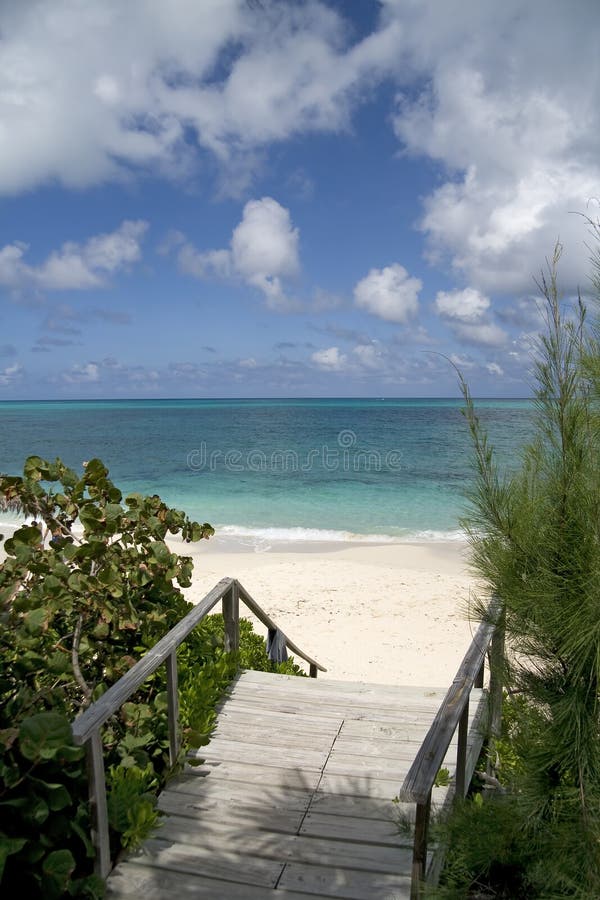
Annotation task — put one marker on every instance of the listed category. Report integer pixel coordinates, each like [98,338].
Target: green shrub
[76,612]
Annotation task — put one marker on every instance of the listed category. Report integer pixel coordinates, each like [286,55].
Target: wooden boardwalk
[294,797]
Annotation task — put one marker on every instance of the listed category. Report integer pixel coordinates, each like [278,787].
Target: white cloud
[389,293]
[85,373]
[465,306]
[494,369]
[370,356]
[74,266]
[513,115]
[330,359]
[263,252]
[461,362]
[466,311]
[264,248]
[249,363]
[11,374]
[83,102]
[486,333]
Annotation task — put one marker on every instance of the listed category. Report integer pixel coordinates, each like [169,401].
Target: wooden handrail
[86,727]
[452,714]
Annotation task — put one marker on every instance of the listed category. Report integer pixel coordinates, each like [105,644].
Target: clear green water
[278,468]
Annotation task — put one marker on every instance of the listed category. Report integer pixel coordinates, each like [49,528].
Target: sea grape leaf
[34,465]
[37,620]
[8,846]
[42,735]
[56,872]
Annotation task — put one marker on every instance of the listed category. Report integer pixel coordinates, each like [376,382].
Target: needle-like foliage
[535,541]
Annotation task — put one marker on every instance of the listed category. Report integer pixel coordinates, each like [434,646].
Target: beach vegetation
[87,586]
[534,535]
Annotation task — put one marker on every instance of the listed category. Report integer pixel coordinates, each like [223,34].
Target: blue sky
[230,198]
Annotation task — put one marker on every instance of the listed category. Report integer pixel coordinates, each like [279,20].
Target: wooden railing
[86,728]
[453,714]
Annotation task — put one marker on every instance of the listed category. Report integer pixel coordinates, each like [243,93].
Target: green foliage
[535,540]
[470,869]
[131,802]
[442,779]
[78,606]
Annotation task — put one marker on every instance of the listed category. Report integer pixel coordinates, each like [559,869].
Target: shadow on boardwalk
[293,798]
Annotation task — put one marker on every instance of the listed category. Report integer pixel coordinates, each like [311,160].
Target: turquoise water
[278,468]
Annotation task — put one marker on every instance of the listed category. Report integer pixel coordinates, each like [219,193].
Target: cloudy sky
[216,198]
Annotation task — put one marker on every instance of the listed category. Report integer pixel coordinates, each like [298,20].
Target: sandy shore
[391,613]
[388,613]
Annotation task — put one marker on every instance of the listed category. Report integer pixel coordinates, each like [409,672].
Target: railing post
[496,667]
[460,787]
[419,865]
[231,617]
[173,707]
[496,679]
[479,678]
[313,670]
[97,795]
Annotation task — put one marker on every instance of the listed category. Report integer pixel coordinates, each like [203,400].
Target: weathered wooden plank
[342,686]
[405,723]
[344,883]
[352,828]
[372,699]
[135,881]
[299,782]
[239,714]
[270,776]
[252,693]
[339,711]
[213,861]
[276,735]
[340,764]
[364,786]
[194,842]
[224,819]
[385,749]
[348,805]
[211,793]
[268,754]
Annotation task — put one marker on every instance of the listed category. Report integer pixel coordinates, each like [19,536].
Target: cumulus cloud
[512,115]
[82,373]
[263,252]
[465,306]
[487,333]
[74,266]
[494,369]
[95,92]
[330,359]
[466,311]
[11,374]
[461,362]
[389,293]
[370,356]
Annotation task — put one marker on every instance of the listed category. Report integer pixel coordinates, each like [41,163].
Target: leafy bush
[77,609]
[535,539]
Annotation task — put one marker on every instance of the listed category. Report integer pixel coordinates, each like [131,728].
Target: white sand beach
[389,613]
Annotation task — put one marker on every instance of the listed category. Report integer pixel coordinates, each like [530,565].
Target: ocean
[268,470]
